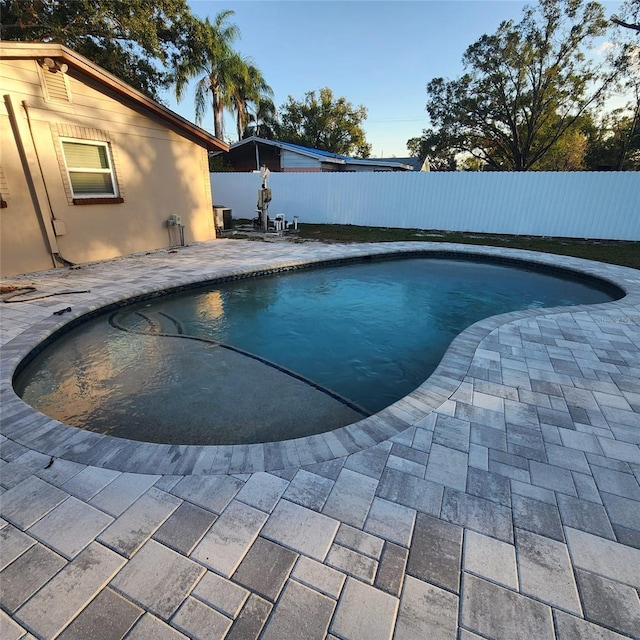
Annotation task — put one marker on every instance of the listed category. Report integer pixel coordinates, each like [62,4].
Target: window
[90,169]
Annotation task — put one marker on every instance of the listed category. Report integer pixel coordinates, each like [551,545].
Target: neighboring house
[415,163]
[253,152]
[90,167]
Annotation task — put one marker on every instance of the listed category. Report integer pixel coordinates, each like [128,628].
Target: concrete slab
[391,569]
[545,571]
[109,615]
[136,525]
[490,558]
[251,620]
[501,614]
[426,611]
[32,570]
[221,594]
[301,529]
[70,527]
[364,613]
[200,621]
[232,534]
[319,577]
[302,613]
[158,579]
[69,591]
[265,568]
[27,502]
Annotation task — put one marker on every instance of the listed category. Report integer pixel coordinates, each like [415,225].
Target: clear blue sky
[376,53]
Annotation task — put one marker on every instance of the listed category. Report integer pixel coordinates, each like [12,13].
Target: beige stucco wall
[159,173]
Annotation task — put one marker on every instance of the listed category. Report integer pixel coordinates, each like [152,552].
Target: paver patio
[500,500]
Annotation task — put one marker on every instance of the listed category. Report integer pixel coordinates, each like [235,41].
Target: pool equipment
[223,218]
[175,222]
[264,198]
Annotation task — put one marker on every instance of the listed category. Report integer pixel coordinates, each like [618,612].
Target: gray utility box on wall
[222,218]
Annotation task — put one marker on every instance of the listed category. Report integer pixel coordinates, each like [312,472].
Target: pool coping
[24,425]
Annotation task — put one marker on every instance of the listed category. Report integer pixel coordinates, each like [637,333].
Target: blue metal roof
[336,157]
[318,152]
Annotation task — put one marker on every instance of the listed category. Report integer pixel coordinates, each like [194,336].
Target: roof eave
[374,163]
[288,147]
[42,50]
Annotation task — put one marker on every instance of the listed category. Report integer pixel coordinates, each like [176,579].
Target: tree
[626,25]
[249,90]
[263,122]
[326,123]
[228,81]
[567,154]
[626,60]
[136,40]
[525,86]
[615,144]
[629,16]
[210,55]
[433,147]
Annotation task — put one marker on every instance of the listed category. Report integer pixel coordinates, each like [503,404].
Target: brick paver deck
[500,500]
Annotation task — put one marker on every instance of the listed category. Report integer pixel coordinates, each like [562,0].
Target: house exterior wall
[291,161]
[158,173]
[245,158]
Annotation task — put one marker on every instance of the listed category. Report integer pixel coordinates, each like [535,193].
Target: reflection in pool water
[277,357]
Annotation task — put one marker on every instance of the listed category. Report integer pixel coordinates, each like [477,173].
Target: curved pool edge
[27,427]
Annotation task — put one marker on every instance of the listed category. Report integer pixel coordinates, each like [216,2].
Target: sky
[377,53]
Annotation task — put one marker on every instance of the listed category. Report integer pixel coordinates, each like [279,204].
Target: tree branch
[626,25]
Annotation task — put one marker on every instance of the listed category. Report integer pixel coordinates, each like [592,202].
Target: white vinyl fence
[603,205]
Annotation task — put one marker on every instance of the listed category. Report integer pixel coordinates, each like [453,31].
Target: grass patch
[626,254]
[618,252]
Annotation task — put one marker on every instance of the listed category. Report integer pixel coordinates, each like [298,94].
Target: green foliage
[218,164]
[525,86]
[227,80]
[629,16]
[326,123]
[263,122]
[566,154]
[619,147]
[434,147]
[615,145]
[136,40]
[209,55]
[247,93]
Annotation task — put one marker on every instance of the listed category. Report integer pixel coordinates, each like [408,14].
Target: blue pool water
[363,335]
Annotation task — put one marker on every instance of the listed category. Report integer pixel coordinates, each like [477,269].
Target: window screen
[89,168]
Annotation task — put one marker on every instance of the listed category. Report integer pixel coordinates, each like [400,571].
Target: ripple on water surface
[271,358]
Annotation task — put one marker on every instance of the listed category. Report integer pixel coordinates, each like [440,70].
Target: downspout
[257,158]
[58,255]
[35,180]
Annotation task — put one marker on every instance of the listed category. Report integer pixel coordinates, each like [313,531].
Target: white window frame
[109,170]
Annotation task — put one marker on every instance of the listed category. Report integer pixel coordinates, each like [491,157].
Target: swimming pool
[279,357]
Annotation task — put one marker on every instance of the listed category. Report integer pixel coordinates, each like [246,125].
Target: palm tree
[219,85]
[210,53]
[264,122]
[249,90]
